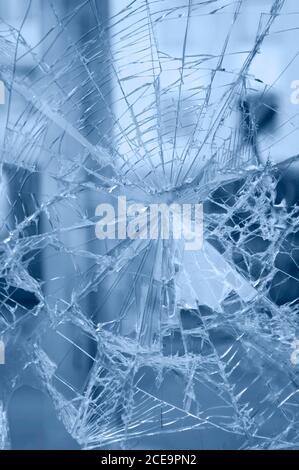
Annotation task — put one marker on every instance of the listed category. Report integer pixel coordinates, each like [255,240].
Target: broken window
[162,102]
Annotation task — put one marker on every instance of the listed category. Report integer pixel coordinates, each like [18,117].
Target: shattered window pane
[139,341]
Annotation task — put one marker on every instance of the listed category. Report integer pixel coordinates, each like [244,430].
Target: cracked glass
[139,342]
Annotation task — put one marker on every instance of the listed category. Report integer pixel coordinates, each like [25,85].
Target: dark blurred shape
[23,197]
[258,115]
